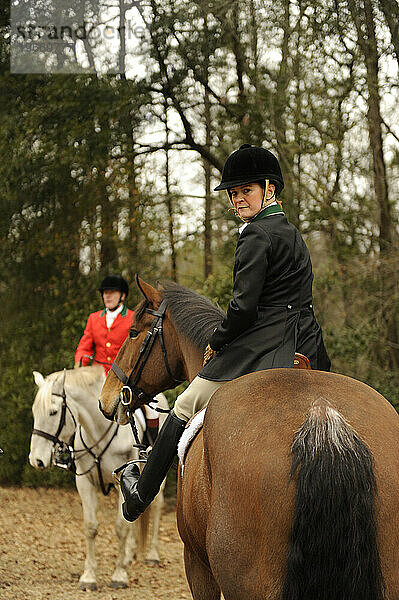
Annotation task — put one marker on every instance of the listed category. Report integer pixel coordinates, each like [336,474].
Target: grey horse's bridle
[62,452]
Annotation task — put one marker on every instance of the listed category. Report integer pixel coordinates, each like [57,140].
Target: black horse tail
[333,552]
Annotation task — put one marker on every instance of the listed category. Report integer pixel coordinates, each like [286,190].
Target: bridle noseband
[130,382]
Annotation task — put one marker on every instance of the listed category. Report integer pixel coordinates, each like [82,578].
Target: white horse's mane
[82,378]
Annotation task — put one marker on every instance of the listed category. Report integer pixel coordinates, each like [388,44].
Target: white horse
[66,404]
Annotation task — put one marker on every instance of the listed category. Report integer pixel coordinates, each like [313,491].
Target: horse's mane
[194,315]
[84,378]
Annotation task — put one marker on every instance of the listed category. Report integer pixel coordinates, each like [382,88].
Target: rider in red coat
[105,332]
[106,329]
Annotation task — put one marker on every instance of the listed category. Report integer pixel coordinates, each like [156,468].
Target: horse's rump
[248,433]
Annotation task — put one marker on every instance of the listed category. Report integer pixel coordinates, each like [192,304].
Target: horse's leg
[152,555]
[131,544]
[202,584]
[120,577]
[88,497]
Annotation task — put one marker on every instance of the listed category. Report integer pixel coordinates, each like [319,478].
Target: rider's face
[247,199]
[111,298]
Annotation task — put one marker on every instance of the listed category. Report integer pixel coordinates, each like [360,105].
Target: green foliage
[359,309]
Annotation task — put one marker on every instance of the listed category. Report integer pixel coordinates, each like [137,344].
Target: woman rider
[269,317]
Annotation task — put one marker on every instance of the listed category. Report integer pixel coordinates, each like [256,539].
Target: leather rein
[130,382]
[64,453]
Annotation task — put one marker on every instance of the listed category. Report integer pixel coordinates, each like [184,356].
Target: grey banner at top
[58,36]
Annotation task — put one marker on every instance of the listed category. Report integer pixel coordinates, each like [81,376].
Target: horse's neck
[84,403]
[191,357]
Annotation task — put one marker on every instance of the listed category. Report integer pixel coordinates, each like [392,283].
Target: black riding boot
[140,490]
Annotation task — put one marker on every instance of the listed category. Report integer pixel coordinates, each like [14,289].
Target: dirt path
[42,550]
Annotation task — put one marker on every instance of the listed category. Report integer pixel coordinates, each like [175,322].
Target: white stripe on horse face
[40,452]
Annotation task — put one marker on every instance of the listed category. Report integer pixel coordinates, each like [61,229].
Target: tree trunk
[207,171]
[390,8]
[169,201]
[108,252]
[285,154]
[122,37]
[364,23]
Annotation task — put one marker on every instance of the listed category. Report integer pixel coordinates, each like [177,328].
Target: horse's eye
[53,412]
[133,333]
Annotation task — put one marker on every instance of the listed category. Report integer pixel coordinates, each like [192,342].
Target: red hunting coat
[102,342]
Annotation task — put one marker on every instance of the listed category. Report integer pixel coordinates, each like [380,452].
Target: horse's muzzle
[109,417]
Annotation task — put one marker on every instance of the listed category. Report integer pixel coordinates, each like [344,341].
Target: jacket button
[108,344]
[108,358]
[289,306]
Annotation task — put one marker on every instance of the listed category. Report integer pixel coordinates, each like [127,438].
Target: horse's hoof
[118,585]
[91,587]
[153,562]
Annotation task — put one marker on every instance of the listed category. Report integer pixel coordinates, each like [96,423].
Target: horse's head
[51,419]
[150,358]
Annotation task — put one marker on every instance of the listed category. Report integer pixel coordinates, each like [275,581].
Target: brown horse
[264,512]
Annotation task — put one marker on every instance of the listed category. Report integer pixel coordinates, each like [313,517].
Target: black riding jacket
[271,314]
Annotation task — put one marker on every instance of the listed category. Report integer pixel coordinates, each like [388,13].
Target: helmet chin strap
[262,205]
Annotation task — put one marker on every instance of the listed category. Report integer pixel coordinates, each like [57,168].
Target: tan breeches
[195,397]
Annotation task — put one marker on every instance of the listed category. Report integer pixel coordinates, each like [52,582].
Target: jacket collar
[123,312]
[272,209]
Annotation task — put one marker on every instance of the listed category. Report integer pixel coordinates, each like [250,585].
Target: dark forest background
[113,173]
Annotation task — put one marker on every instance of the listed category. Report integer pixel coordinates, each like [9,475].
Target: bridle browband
[130,386]
[64,453]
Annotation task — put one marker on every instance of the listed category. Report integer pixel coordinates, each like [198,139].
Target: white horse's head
[49,417]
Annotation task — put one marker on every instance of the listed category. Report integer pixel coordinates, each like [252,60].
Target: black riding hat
[114,282]
[250,164]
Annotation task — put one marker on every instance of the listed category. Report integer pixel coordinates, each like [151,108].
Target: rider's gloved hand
[208,354]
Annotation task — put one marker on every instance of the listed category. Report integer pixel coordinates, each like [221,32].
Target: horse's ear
[38,377]
[149,293]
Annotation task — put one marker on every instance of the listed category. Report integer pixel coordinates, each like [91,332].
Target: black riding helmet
[251,164]
[114,282]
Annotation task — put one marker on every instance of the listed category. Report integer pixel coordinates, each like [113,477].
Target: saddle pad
[193,427]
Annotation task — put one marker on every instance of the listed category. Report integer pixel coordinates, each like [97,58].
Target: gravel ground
[42,550]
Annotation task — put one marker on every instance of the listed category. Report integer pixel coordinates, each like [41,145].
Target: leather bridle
[130,382]
[63,452]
